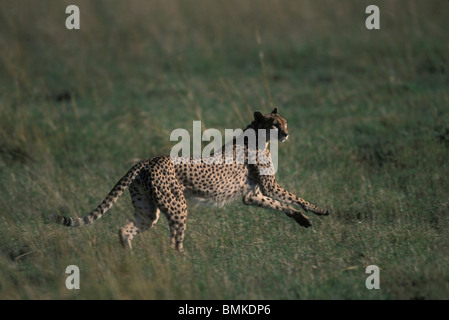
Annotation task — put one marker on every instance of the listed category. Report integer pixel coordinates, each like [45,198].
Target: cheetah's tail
[106,204]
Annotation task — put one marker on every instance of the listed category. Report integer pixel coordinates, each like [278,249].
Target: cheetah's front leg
[256,198]
[269,187]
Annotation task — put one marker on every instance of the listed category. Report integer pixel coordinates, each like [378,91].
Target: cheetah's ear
[275,111]
[258,116]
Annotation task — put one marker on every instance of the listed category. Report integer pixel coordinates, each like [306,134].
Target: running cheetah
[162,185]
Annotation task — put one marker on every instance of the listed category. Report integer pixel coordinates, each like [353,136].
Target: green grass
[369,124]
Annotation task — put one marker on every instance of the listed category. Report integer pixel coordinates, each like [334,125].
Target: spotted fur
[161,185]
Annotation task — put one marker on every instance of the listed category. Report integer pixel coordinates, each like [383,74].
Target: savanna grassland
[368,116]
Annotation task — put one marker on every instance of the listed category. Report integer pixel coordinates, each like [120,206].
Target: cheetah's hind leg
[146,215]
[172,204]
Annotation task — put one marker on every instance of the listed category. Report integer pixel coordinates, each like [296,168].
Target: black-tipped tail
[106,204]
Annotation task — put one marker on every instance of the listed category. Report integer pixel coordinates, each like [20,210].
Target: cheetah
[161,184]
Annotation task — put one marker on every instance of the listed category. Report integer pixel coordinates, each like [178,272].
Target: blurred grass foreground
[369,139]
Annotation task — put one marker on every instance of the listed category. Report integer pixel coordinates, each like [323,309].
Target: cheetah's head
[272,121]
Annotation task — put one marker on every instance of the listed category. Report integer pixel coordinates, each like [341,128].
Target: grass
[369,129]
